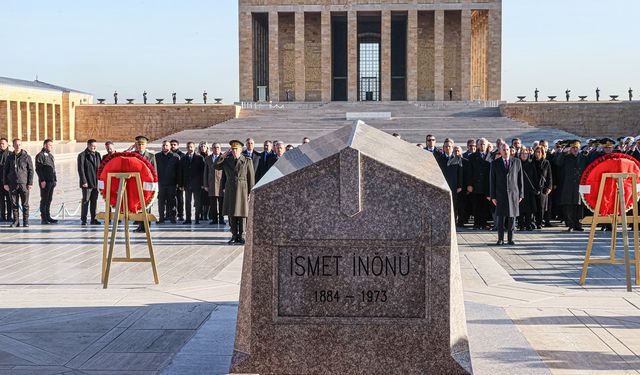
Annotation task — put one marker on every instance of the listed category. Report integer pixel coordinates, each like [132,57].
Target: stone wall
[121,123]
[589,119]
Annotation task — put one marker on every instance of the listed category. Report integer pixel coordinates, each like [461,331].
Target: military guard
[240,179]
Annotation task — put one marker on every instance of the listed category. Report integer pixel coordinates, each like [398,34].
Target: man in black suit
[18,180]
[46,170]
[252,154]
[88,163]
[168,164]
[179,206]
[5,197]
[477,177]
[507,190]
[265,161]
[191,172]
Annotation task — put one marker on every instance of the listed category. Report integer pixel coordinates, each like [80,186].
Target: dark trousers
[508,223]
[525,221]
[5,204]
[205,204]
[20,195]
[237,226]
[89,203]
[166,202]
[573,213]
[481,210]
[195,196]
[215,209]
[179,205]
[46,196]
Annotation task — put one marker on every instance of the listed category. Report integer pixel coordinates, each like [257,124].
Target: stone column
[465,55]
[325,25]
[412,55]
[385,54]
[246,57]
[352,55]
[38,127]
[438,55]
[44,132]
[494,55]
[300,71]
[19,120]
[10,136]
[28,125]
[274,65]
[54,136]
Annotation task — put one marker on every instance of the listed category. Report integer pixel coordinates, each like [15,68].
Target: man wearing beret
[240,179]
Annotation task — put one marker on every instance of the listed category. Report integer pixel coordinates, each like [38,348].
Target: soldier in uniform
[238,170]
[46,170]
[5,197]
[213,184]
[18,180]
[571,163]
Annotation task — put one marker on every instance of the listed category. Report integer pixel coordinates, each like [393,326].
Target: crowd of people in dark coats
[195,183]
[546,184]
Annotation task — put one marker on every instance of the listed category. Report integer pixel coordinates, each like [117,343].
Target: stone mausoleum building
[370,50]
[36,110]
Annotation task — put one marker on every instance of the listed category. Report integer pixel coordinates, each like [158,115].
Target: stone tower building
[370,50]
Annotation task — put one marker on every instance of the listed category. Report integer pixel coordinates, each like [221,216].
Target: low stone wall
[588,119]
[123,122]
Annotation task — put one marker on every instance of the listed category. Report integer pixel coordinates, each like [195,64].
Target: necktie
[506,164]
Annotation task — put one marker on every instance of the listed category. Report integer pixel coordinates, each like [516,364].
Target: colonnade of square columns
[32,121]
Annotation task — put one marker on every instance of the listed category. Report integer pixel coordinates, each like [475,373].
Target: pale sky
[189,46]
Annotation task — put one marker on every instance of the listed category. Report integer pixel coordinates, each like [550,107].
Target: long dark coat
[453,172]
[191,172]
[531,187]
[213,177]
[478,174]
[570,170]
[507,187]
[238,183]
[545,182]
[167,168]
[255,157]
[88,164]
[265,162]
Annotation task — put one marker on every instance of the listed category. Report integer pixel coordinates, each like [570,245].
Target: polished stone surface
[329,288]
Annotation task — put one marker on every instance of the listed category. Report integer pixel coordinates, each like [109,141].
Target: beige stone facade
[34,111]
[123,122]
[316,50]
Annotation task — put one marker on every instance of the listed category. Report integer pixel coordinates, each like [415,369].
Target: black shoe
[511,243]
[548,225]
[173,221]
[52,221]
[25,224]
[95,222]
[569,229]
[500,243]
[221,221]
[212,222]
[580,229]
[197,222]
[83,223]
[188,222]
[139,229]
[538,226]
[15,224]
[232,241]
[181,218]
[44,222]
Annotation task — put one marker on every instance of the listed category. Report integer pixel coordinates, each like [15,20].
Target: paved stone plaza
[526,312]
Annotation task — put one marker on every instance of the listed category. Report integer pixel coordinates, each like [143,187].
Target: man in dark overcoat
[88,163]
[5,196]
[18,180]
[213,184]
[46,170]
[507,190]
[238,170]
[478,185]
[571,163]
[191,172]
[168,164]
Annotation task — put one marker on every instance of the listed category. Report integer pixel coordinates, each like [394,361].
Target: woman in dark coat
[545,181]
[531,190]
